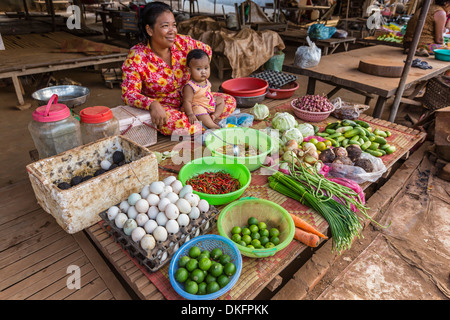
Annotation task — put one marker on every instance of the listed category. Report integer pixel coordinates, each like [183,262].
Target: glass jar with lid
[54,129]
[98,122]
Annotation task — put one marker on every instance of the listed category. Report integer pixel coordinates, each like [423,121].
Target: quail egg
[120,220]
[137,234]
[148,242]
[129,226]
[150,225]
[112,212]
[142,205]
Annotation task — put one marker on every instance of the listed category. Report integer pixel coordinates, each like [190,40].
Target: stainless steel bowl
[69,95]
[249,101]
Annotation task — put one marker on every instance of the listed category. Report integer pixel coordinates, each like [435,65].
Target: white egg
[195,213]
[142,205]
[157,187]
[203,205]
[145,191]
[153,212]
[186,189]
[148,242]
[120,220]
[172,196]
[132,212]
[161,219]
[124,206]
[105,164]
[150,225]
[192,199]
[163,194]
[160,233]
[153,199]
[163,204]
[141,219]
[112,212]
[183,220]
[176,186]
[168,181]
[172,226]
[137,234]
[172,211]
[197,197]
[183,205]
[133,198]
[129,226]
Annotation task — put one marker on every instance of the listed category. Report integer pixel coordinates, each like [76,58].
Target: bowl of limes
[205,267]
[259,228]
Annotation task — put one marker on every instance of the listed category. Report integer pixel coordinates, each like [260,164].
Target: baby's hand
[192,118]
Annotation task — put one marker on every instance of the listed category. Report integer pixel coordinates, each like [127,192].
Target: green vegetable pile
[347,132]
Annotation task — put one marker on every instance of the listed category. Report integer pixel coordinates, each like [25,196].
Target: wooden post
[409,58]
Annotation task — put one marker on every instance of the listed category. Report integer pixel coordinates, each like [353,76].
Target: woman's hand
[158,114]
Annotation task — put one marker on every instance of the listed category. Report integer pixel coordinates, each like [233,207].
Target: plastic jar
[97,123]
[54,129]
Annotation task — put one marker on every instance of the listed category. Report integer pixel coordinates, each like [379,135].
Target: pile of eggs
[159,210]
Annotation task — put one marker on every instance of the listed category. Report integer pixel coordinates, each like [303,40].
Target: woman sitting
[155,72]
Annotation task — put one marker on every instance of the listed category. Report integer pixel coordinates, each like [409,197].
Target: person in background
[432,36]
[155,71]
[198,101]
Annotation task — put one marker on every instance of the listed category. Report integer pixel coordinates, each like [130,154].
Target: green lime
[212,287]
[253,228]
[262,225]
[255,243]
[236,237]
[275,240]
[181,275]
[202,256]
[202,288]
[183,261]
[250,246]
[216,253]
[247,239]
[197,275]
[206,253]
[314,141]
[209,278]
[252,221]
[269,245]
[194,252]
[255,235]
[242,243]
[223,280]
[229,269]
[191,265]
[191,287]
[264,233]
[236,230]
[264,240]
[205,264]
[274,232]
[245,231]
[224,259]
[216,269]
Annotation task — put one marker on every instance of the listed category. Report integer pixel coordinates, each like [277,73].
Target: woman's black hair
[148,16]
[195,54]
[440,2]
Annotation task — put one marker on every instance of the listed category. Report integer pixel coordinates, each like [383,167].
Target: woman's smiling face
[164,31]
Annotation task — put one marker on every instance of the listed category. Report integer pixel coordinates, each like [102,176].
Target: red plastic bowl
[245,87]
[284,92]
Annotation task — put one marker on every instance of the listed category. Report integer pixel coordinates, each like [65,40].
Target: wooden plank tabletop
[342,69]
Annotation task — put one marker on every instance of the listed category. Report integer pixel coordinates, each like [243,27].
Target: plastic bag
[307,56]
[347,110]
[358,174]
[237,120]
[320,31]
[340,34]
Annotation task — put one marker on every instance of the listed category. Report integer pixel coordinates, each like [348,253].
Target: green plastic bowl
[442,54]
[274,215]
[240,135]
[208,164]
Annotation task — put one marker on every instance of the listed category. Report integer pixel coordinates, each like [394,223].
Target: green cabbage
[292,134]
[260,111]
[283,121]
[306,129]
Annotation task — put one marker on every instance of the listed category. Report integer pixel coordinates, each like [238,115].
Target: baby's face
[199,69]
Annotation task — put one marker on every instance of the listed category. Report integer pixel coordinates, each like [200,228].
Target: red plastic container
[245,87]
[284,92]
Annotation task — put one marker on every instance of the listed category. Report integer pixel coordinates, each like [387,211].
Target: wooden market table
[341,71]
[257,274]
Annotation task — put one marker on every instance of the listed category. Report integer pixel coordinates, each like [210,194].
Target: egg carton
[162,253]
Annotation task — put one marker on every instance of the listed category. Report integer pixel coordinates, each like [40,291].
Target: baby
[198,101]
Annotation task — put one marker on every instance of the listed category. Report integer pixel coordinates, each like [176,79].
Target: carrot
[307,238]
[299,223]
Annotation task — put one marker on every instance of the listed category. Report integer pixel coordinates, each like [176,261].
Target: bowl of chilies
[214,180]
[312,108]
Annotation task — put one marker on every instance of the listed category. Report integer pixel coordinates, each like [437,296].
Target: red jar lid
[96,114]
